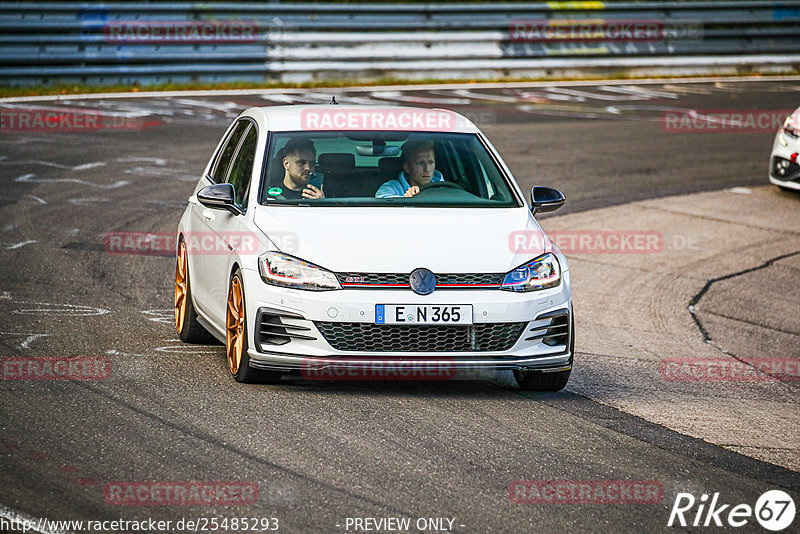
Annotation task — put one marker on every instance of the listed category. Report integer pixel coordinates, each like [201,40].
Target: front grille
[483,337]
[402,279]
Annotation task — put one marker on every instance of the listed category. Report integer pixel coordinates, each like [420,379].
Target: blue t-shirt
[398,187]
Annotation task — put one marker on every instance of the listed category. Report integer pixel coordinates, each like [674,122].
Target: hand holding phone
[316,179]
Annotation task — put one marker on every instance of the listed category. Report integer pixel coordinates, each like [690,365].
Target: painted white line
[65,310]
[20,244]
[38,199]
[113,352]
[398,96]
[31,524]
[625,97]
[225,107]
[30,339]
[81,167]
[160,316]
[370,88]
[81,201]
[31,178]
[647,94]
[162,172]
[740,190]
[184,349]
[80,109]
[466,93]
[154,161]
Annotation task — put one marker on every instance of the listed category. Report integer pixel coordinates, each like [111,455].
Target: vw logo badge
[423,282]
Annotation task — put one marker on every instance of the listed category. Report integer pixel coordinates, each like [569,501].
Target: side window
[242,168]
[220,166]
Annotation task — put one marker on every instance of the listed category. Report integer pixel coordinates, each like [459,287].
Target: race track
[320,452]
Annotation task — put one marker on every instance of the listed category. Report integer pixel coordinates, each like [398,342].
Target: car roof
[361,118]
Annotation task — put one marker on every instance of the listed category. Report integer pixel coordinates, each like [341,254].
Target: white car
[458,276]
[784,168]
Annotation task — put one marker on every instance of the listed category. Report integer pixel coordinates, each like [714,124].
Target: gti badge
[423,282]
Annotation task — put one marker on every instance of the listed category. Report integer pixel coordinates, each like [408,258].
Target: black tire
[191,331]
[245,373]
[533,380]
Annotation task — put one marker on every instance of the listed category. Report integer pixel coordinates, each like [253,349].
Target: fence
[146,43]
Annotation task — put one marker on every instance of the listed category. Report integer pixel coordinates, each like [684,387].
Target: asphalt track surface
[322,452]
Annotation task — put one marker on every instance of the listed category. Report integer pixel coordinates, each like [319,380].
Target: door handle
[208,215]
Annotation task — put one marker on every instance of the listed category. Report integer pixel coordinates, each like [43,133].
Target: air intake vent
[551,328]
[275,327]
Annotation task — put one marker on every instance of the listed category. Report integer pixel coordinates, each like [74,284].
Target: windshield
[382,168]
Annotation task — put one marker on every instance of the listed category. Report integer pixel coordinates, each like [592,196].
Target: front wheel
[189,329]
[236,341]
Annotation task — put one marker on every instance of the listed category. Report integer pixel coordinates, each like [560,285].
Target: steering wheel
[440,184]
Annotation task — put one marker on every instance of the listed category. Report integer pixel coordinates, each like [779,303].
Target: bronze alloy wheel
[234,335]
[180,287]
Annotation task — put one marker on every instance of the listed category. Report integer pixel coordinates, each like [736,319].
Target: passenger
[419,168]
[299,160]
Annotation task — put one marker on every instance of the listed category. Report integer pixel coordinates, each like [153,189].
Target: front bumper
[287,330]
[782,170]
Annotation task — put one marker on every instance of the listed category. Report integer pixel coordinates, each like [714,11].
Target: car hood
[444,240]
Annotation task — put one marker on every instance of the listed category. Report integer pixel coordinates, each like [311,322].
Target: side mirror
[544,199]
[219,197]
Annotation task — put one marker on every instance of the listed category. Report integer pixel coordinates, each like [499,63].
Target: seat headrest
[390,167]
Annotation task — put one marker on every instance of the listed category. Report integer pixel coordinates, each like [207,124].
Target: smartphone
[315,179]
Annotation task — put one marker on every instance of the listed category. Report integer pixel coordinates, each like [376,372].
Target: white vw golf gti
[365,238]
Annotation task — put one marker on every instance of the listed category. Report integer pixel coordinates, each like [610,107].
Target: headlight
[790,128]
[540,273]
[283,270]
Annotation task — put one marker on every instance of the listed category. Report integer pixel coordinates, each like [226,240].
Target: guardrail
[145,43]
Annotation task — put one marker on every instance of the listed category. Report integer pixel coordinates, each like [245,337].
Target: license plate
[422,314]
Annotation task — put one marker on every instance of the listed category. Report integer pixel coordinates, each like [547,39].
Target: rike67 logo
[774,510]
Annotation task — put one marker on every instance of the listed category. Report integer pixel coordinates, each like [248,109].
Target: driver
[298,163]
[419,169]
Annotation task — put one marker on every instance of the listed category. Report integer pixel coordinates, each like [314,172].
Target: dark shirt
[285,192]
[290,194]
